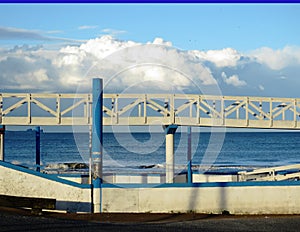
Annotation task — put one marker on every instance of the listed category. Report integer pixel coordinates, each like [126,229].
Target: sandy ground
[22,220]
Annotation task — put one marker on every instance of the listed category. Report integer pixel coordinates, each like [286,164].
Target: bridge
[151,109]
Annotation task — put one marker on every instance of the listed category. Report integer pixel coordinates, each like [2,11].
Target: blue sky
[189,26]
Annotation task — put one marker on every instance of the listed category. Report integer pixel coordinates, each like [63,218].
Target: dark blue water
[140,151]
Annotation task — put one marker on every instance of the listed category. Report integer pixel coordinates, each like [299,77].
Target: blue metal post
[97,141]
[2,132]
[189,155]
[97,136]
[37,148]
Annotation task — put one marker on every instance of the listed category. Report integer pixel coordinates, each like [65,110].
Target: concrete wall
[235,199]
[18,181]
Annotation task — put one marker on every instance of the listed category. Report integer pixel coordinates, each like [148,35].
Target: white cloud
[138,63]
[104,46]
[151,67]
[233,80]
[277,59]
[87,27]
[113,32]
[160,41]
[226,57]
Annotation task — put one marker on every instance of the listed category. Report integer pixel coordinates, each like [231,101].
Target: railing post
[58,112]
[170,131]
[2,132]
[37,148]
[97,141]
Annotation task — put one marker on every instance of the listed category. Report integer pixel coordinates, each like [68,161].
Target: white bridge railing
[151,109]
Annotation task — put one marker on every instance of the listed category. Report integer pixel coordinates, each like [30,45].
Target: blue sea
[145,152]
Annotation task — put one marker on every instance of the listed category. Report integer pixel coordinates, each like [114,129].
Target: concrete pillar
[170,160]
[2,132]
[38,148]
[97,141]
[189,155]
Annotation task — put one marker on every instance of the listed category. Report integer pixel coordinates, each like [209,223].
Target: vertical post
[90,155]
[170,161]
[97,141]
[37,148]
[90,169]
[2,132]
[189,155]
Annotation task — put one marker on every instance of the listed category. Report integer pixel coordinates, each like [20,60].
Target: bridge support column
[189,156]
[2,132]
[170,161]
[97,141]
[37,148]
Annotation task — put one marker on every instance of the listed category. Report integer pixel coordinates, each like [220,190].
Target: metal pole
[170,161]
[90,156]
[37,148]
[97,141]
[189,155]
[2,132]
[90,169]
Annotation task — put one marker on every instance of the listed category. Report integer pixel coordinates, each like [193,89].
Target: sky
[227,49]
[189,26]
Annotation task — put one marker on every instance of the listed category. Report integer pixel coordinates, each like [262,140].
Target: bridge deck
[151,109]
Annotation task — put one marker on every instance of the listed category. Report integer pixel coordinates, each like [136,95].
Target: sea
[145,152]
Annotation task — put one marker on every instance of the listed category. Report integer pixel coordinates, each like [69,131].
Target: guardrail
[271,174]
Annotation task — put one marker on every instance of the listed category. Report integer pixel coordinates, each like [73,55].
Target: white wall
[236,200]
[68,197]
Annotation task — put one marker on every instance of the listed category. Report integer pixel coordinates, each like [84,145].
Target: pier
[191,192]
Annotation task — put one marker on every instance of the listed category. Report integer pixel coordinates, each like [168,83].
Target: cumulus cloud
[233,80]
[278,59]
[226,57]
[151,67]
[160,41]
[103,46]
[122,64]
[133,64]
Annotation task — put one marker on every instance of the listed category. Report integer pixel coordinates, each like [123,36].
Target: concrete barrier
[235,198]
[268,197]
[18,181]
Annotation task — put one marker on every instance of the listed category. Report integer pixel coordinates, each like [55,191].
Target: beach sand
[22,220]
